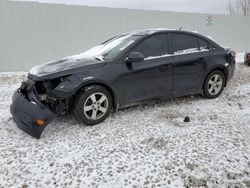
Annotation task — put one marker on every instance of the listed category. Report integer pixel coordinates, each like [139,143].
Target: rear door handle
[165,67]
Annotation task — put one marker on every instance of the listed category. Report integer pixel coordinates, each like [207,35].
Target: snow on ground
[143,146]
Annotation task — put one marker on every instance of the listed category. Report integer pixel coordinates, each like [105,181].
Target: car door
[152,77]
[189,62]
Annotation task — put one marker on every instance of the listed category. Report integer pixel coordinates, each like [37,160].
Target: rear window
[204,45]
[183,43]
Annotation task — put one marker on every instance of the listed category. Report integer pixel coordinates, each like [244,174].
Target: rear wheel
[93,105]
[214,84]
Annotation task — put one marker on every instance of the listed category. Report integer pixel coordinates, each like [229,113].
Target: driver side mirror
[135,57]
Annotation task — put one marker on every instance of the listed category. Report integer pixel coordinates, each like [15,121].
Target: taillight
[233,55]
[248,57]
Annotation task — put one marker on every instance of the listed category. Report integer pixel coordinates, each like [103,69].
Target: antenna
[180,28]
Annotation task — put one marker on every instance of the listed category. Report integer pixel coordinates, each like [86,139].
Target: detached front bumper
[26,113]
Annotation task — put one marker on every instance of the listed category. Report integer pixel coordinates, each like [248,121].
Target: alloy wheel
[215,84]
[95,106]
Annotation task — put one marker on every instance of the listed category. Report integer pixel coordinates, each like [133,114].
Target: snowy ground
[145,146]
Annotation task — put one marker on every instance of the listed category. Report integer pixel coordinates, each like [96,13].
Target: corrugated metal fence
[33,33]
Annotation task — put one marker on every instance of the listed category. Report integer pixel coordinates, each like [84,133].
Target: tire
[93,105]
[214,84]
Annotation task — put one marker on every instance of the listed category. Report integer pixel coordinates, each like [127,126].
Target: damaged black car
[125,70]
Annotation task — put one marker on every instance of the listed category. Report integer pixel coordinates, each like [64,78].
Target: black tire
[207,87]
[83,97]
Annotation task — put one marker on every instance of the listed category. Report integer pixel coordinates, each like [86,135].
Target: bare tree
[230,7]
[245,6]
[239,7]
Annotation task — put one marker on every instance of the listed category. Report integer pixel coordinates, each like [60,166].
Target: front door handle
[165,67]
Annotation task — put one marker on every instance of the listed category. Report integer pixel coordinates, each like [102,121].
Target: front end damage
[35,104]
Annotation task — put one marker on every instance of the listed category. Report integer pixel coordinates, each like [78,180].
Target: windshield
[112,47]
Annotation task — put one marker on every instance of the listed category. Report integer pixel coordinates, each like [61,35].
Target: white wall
[33,33]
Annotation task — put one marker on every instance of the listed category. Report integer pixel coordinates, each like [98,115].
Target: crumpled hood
[63,66]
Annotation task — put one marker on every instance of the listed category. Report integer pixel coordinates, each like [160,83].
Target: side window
[203,45]
[183,43]
[153,46]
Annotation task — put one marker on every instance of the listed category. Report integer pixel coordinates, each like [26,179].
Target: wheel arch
[99,83]
[219,68]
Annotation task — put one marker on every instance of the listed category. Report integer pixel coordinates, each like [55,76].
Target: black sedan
[125,70]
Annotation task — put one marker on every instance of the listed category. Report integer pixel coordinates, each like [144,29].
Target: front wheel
[214,84]
[93,105]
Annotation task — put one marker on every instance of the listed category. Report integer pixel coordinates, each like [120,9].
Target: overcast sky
[207,6]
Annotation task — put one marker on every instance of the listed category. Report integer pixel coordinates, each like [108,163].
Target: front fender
[72,84]
[68,85]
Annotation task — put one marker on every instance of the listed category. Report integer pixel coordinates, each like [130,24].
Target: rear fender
[221,68]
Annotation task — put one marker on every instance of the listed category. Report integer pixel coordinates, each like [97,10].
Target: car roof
[147,32]
[158,30]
